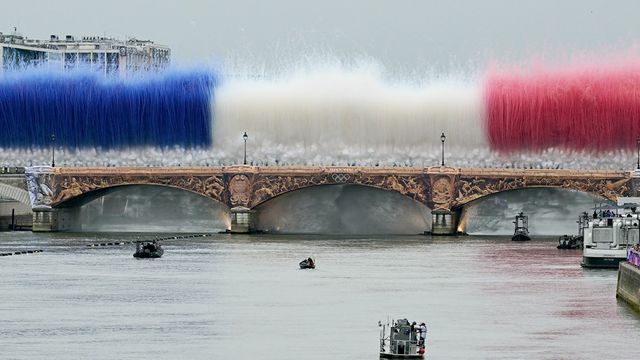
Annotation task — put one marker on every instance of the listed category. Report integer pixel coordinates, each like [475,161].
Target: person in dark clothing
[414,331]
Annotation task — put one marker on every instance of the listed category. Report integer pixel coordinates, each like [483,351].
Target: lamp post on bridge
[442,139]
[53,150]
[245,137]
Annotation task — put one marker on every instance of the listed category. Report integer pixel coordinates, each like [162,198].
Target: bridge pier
[444,222]
[45,220]
[242,220]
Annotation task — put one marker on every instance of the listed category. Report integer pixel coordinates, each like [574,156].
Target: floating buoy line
[21,252]
[117,243]
[120,243]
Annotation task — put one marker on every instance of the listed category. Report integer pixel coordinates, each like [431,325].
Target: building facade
[98,53]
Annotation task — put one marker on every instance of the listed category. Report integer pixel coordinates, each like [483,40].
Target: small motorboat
[521,232]
[566,242]
[404,341]
[307,263]
[148,249]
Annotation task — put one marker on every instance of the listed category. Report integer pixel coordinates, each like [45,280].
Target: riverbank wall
[628,288]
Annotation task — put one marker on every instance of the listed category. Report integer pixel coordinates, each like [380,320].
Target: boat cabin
[402,342]
[521,232]
[611,231]
[614,228]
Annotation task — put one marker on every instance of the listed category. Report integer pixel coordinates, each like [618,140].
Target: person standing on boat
[423,334]
[415,332]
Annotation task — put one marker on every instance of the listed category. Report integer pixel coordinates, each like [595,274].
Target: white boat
[402,342]
[609,234]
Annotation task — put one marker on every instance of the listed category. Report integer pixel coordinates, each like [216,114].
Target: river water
[243,297]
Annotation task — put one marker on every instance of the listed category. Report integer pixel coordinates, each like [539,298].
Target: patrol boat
[148,249]
[521,232]
[567,242]
[402,342]
[609,234]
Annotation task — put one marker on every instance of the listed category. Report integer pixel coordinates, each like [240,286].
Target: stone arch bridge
[445,190]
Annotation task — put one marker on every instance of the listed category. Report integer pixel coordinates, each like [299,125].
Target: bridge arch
[68,187]
[266,200]
[342,209]
[12,192]
[82,198]
[474,200]
[142,207]
[473,188]
[265,188]
[551,210]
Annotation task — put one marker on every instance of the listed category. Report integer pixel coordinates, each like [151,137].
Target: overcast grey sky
[406,34]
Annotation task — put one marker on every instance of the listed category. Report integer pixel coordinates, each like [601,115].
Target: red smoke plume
[591,108]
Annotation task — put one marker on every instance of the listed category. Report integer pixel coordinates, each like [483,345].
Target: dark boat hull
[601,262]
[401,356]
[149,255]
[305,265]
[520,237]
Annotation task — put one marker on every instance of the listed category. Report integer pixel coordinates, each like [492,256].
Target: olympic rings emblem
[340,177]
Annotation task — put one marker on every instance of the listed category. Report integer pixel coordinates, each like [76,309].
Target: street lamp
[442,139]
[245,137]
[53,150]
[638,148]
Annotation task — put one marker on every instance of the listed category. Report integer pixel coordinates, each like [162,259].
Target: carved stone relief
[470,189]
[39,185]
[442,189]
[269,186]
[239,190]
[69,186]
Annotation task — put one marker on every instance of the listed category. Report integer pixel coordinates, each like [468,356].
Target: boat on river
[403,340]
[521,232]
[572,242]
[148,249]
[307,263]
[566,242]
[610,233]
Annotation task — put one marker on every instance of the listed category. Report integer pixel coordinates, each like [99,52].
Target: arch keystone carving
[442,190]
[240,190]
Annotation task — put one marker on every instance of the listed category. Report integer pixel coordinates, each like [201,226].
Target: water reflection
[482,298]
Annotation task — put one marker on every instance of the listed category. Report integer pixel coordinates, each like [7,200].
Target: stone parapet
[628,288]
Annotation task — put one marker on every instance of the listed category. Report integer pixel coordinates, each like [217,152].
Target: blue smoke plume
[85,109]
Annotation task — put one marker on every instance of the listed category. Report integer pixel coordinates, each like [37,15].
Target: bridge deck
[483,172]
